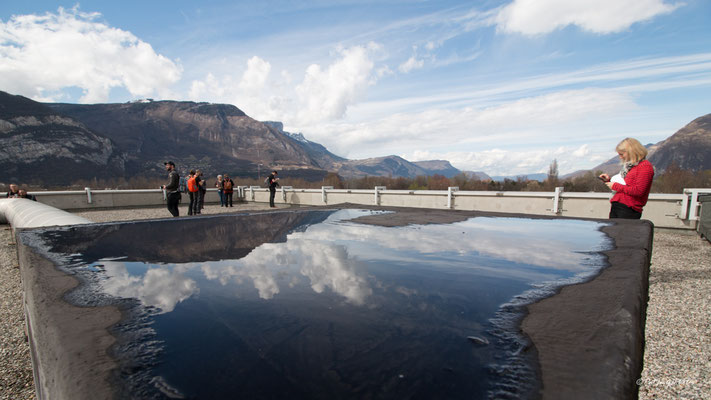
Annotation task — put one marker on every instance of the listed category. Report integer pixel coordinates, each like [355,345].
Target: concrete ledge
[66,341]
[590,336]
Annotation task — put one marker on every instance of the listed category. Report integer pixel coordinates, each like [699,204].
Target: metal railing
[667,210]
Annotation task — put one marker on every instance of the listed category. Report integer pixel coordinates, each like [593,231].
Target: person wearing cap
[172,192]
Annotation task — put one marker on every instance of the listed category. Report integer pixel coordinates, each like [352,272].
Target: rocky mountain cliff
[134,139]
[440,167]
[40,145]
[212,137]
[689,148]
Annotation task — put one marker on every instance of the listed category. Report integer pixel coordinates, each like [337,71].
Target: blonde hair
[634,151]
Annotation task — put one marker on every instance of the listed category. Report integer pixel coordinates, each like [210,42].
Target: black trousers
[228,199]
[619,210]
[173,198]
[272,193]
[201,200]
[192,207]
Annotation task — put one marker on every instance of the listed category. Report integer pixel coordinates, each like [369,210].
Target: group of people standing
[631,186]
[225,188]
[16,192]
[195,185]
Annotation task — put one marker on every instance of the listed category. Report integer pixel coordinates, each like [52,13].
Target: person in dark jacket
[228,188]
[14,191]
[202,189]
[22,194]
[172,193]
[273,184]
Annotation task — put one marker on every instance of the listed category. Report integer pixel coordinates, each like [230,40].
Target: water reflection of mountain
[182,240]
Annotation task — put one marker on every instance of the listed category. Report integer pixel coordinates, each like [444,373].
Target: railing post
[283,192]
[556,200]
[323,193]
[377,194]
[694,206]
[450,196]
[88,194]
[685,204]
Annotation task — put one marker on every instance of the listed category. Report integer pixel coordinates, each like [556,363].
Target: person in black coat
[273,182]
[172,192]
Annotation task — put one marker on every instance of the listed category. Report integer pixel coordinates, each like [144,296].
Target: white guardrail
[664,210]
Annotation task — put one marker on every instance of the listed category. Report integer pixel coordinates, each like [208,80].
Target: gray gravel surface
[678,332]
[16,380]
[677,355]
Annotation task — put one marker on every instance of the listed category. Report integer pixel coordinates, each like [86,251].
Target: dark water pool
[307,305]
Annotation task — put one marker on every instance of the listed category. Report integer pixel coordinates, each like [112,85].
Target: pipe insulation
[24,213]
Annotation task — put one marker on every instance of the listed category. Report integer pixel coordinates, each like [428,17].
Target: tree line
[672,180]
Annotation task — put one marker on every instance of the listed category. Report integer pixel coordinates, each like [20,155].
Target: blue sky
[500,86]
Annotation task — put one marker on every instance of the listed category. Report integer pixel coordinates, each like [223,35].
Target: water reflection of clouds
[326,265]
[160,287]
[558,244]
[330,256]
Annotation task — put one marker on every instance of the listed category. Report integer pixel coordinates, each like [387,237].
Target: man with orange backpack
[193,192]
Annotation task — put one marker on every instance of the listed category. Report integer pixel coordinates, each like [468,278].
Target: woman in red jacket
[632,184]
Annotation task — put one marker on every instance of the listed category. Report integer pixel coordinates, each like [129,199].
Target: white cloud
[159,287]
[41,55]
[411,64]
[255,77]
[518,162]
[534,120]
[325,94]
[535,17]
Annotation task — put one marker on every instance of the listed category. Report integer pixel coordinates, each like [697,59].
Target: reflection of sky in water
[306,317]
[334,256]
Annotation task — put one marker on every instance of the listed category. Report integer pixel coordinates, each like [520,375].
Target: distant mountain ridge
[58,143]
[41,145]
[689,148]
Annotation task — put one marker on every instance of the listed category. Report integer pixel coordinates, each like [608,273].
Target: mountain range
[689,148]
[59,143]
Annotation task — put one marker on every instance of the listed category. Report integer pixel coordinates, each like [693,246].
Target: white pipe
[24,213]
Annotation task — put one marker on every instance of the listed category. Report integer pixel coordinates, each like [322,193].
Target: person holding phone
[633,183]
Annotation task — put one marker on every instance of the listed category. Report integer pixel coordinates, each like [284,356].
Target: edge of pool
[589,337]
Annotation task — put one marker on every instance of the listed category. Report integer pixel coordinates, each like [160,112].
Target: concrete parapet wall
[664,210]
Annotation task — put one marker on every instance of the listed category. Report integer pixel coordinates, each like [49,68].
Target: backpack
[192,185]
[227,185]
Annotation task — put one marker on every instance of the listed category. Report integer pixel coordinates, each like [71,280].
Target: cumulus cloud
[255,77]
[325,94]
[162,288]
[535,17]
[411,64]
[42,55]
